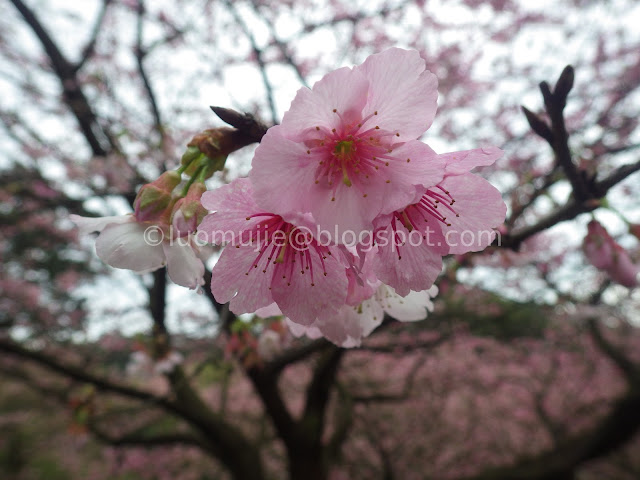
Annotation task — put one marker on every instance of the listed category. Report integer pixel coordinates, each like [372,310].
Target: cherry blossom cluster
[345,214]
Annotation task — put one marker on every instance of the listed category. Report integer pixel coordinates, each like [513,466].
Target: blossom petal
[351,324]
[230,282]
[458,163]
[269,311]
[87,225]
[280,170]
[298,330]
[410,308]
[233,204]
[183,266]
[414,265]
[344,90]
[303,302]
[124,245]
[480,208]
[402,91]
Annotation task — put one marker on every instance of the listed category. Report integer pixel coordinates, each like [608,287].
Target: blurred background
[529,367]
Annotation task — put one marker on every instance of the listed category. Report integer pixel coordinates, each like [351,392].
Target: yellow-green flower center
[343,151]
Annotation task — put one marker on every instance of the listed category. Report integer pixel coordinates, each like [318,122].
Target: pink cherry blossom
[346,151]
[270,259]
[457,215]
[606,254]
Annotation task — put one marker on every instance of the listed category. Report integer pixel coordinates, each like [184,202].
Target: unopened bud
[153,202]
[188,212]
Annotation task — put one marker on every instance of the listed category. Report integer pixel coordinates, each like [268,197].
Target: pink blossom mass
[343,194]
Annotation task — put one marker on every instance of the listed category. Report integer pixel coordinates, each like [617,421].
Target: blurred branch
[284,51]
[89,49]
[258,53]
[80,374]
[99,140]
[343,421]
[397,397]
[320,386]
[141,438]
[157,307]
[228,443]
[626,366]
[571,209]
[140,54]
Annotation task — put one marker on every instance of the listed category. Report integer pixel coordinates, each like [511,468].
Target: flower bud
[153,202]
[188,212]
[608,255]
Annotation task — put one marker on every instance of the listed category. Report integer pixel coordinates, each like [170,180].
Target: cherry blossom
[346,151]
[270,259]
[457,215]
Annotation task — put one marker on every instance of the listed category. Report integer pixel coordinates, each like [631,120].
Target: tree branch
[98,139]
[89,49]
[261,63]
[140,54]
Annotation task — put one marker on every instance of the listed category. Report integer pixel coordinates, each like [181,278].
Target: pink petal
[416,264]
[351,324]
[302,302]
[402,91]
[480,208]
[464,161]
[298,330]
[344,90]
[270,311]
[232,204]
[281,174]
[123,245]
[229,277]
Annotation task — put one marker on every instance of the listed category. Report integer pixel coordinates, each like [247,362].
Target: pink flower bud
[188,212]
[606,254]
[153,202]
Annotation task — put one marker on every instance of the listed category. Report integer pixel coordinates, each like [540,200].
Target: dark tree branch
[226,443]
[144,439]
[620,174]
[98,139]
[80,374]
[266,386]
[609,434]
[157,307]
[397,397]
[319,388]
[261,63]
[571,209]
[344,418]
[89,49]
[140,54]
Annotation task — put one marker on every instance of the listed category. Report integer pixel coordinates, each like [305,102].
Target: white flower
[143,247]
